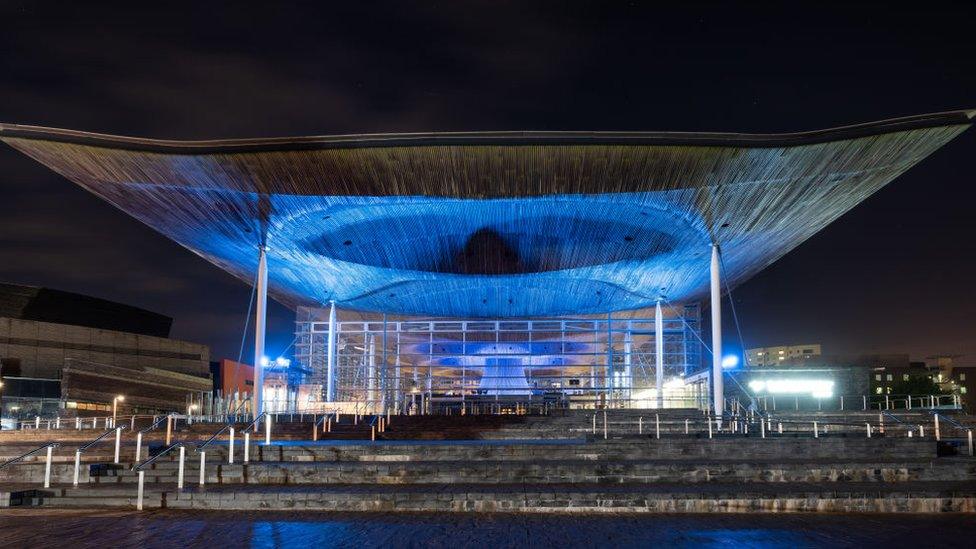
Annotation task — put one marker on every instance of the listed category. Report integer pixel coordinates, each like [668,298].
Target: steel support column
[659,354]
[330,382]
[259,329]
[718,393]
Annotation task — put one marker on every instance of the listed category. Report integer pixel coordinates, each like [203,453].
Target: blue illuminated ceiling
[492,224]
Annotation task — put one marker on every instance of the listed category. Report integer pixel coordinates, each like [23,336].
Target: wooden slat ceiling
[514,224]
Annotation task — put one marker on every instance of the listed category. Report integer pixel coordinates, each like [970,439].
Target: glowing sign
[817,388]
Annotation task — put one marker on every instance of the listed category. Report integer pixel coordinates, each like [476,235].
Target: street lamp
[115,406]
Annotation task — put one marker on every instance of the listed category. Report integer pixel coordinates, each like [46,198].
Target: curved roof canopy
[503,224]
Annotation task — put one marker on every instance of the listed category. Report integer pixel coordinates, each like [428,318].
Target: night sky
[893,275]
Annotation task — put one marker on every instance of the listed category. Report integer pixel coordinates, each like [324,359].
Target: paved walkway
[100,529]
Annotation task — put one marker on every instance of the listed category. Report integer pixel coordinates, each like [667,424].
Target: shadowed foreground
[232,529]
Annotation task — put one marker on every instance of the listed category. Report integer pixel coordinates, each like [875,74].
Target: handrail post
[267,430]
[179,476]
[816,432]
[657,425]
[686,426]
[640,425]
[938,434]
[230,447]
[203,466]
[138,446]
[78,423]
[247,446]
[142,480]
[50,448]
[762,428]
[169,429]
[77,467]
[118,443]
[867,429]
[709,422]
[969,435]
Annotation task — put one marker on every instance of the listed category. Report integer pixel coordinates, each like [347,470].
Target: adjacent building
[67,353]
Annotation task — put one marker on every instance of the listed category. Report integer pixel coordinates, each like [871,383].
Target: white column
[330,387]
[718,393]
[628,383]
[371,370]
[259,325]
[659,354]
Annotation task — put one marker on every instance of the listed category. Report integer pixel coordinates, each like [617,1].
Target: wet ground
[109,529]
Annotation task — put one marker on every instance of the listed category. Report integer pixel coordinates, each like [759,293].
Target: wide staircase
[566,461]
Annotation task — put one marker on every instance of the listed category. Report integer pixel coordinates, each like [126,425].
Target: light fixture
[282,362]
[264,361]
[817,388]
[730,361]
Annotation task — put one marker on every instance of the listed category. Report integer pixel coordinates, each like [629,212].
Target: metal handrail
[252,425]
[100,437]
[951,421]
[893,416]
[150,461]
[155,423]
[206,443]
[22,456]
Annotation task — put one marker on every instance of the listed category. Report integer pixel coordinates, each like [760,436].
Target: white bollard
[938,434]
[657,426]
[47,466]
[138,446]
[142,480]
[867,429]
[267,430]
[921,430]
[179,474]
[230,447]
[57,423]
[816,433]
[762,428]
[203,467]
[37,422]
[118,442]
[77,466]
[709,422]
[247,446]
[640,425]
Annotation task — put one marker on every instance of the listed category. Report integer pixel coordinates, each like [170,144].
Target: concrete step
[915,497]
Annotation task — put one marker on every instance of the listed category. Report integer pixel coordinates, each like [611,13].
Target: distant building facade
[86,350]
[777,356]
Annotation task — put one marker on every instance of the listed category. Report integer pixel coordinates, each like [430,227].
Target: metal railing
[50,446]
[96,440]
[140,468]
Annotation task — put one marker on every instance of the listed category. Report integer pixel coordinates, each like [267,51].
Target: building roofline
[496,138]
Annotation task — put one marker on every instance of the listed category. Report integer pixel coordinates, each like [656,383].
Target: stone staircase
[533,463]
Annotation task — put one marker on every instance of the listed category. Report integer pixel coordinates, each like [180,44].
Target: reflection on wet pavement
[104,529]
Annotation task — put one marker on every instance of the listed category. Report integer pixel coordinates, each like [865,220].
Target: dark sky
[893,275]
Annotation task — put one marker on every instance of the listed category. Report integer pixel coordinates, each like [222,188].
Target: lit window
[782,358]
[888,390]
[877,377]
[962,390]
[782,352]
[904,377]
[940,378]
[878,390]
[889,377]
[962,377]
